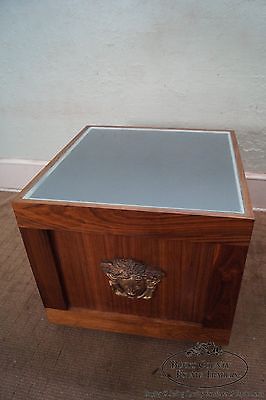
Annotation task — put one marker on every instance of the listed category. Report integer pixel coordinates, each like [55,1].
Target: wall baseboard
[254,176]
[16,173]
[257,190]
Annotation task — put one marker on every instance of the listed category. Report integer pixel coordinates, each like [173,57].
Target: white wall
[182,63]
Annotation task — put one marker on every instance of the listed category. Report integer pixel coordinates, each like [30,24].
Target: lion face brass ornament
[131,278]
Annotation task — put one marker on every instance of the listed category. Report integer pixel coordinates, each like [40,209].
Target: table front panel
[180,295]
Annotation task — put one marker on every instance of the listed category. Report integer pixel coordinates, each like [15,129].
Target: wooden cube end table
[140,230]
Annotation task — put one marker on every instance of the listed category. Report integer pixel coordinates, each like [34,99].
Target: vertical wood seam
[58,267]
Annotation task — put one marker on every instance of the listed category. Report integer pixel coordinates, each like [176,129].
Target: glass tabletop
[179,169]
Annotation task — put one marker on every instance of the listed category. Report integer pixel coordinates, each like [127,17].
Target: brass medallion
[131,278]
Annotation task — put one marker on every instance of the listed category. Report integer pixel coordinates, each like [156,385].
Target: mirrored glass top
[180,169]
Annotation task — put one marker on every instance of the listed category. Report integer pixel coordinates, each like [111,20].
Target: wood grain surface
[202,228]
[224,285]
[201,282]
[43,265]
[132,324]
[180,295]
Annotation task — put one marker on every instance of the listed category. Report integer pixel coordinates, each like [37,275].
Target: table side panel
[224,286]
[201,284]
[44,267]
[180,295]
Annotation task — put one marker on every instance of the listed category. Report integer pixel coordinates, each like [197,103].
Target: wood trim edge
[242,178]
[136,325]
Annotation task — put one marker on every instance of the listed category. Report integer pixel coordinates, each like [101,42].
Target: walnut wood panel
[32,214]
[43,264]
[137,325]
[178,295]
[201,284]
[224,286]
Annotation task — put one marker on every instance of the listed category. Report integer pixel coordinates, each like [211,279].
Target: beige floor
[42,361]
